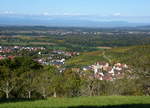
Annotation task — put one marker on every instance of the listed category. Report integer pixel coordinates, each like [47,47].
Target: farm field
[84,102]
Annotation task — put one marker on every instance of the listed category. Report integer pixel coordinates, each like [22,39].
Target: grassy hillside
[86,59]
[84,102]
[135,55]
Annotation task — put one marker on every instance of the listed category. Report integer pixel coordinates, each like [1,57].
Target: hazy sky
[124,8]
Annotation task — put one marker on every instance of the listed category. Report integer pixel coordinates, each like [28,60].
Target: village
[42,55]
[102,70]
[105,71]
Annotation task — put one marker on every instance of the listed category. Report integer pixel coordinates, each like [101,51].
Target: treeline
[24,78]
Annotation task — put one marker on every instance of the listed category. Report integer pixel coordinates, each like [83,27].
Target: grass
[86,59]
[130,55]
[84,102]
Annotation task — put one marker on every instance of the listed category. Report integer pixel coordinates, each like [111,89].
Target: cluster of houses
[8,49]
[55,62]
[68,32]
[4,57]
[60,52]
[105,71]
[57,58]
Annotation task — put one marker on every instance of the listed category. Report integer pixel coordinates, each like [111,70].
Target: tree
[72,83]
[44,80]
[8,80]
[57,84]
[89,83]
[29,79]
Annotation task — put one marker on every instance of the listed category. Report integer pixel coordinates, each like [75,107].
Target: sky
[116,9]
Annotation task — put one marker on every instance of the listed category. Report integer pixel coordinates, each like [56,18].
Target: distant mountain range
[61,21]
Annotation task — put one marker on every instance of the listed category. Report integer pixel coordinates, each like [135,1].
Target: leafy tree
[44,80]
[72,82]
[8,80]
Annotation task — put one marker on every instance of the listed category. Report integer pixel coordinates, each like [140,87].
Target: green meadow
[83,102]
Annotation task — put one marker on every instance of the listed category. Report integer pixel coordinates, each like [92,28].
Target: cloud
[7,12]
[75,14]
[63,14]
[46,14]
[117,14]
